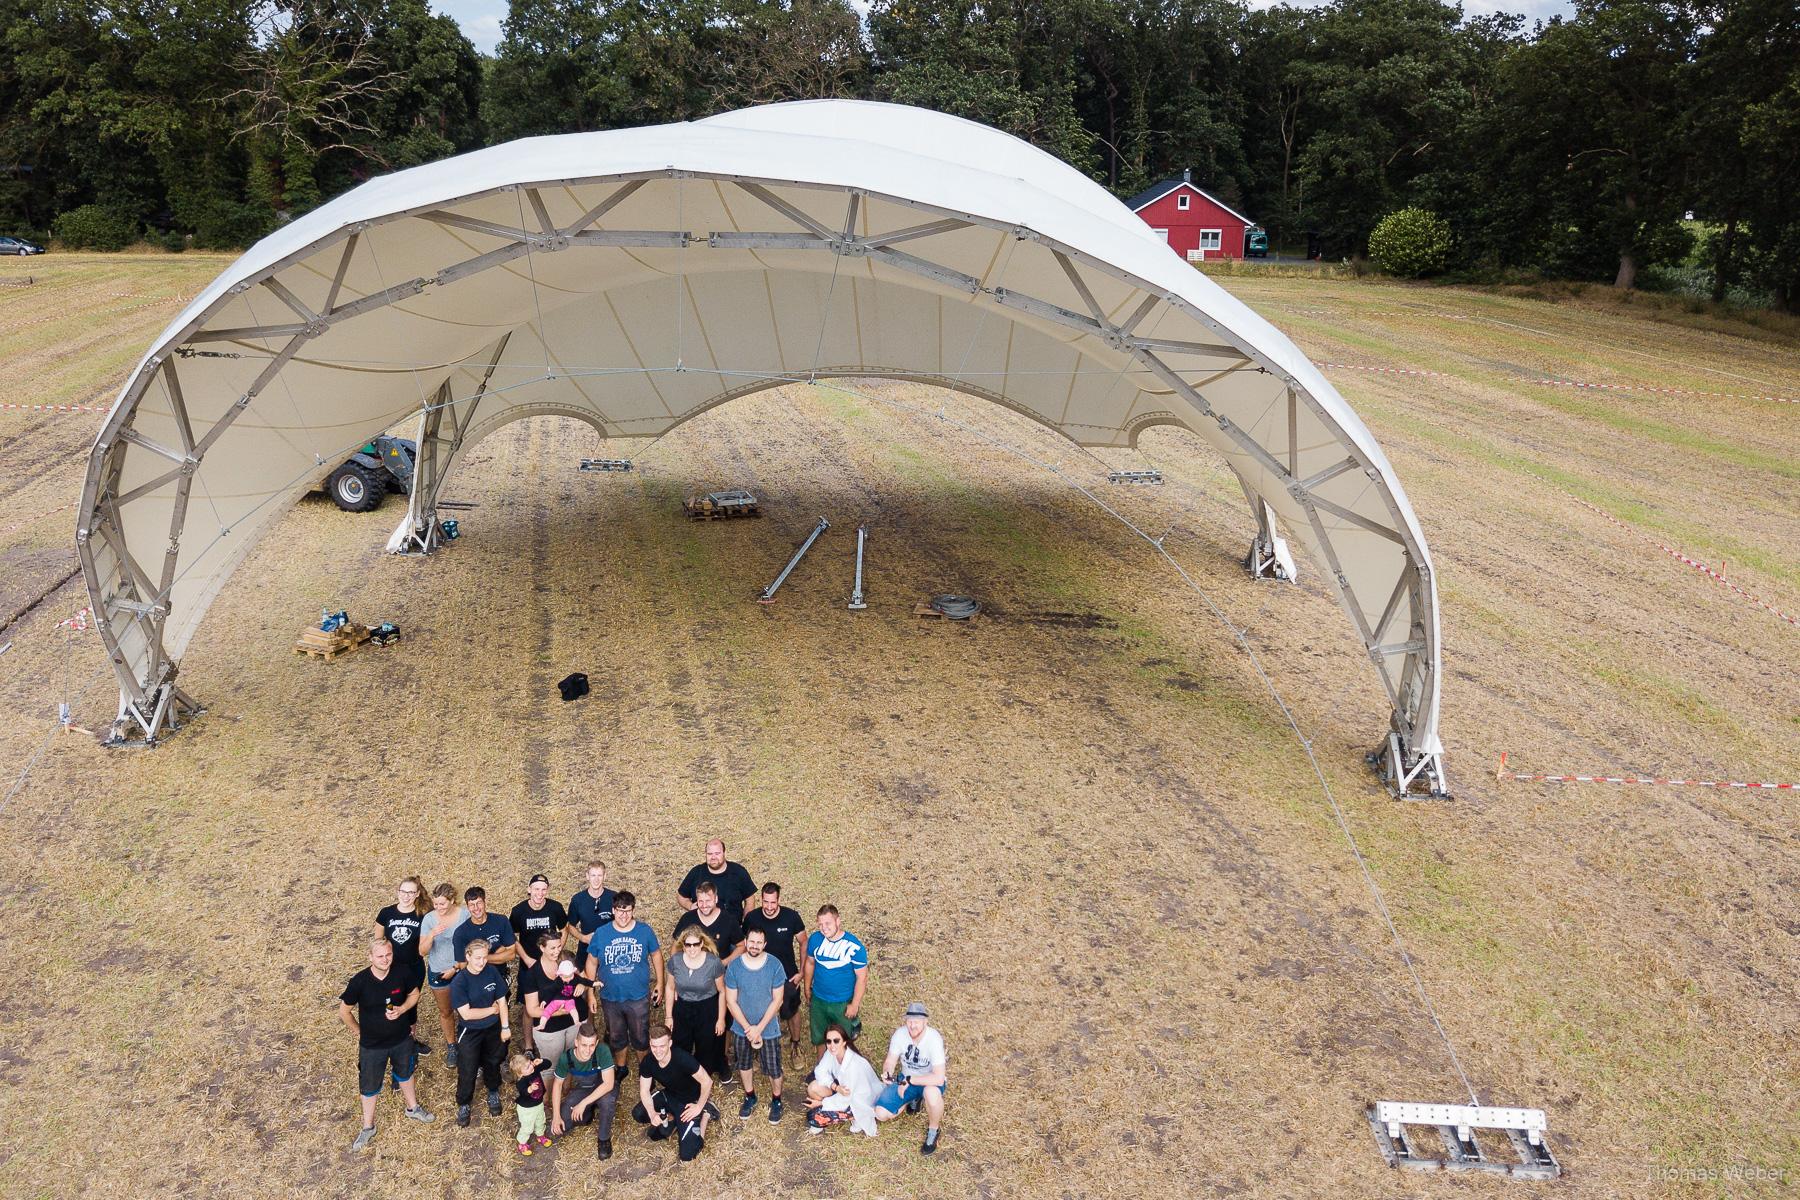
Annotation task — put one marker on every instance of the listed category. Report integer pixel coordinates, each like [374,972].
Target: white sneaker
[420,1115]
[363,1139]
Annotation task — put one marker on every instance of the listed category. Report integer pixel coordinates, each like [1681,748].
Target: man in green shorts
[835,975]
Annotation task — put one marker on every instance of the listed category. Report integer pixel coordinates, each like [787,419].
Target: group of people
[593,989]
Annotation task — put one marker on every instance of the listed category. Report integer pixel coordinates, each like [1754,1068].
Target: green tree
[1746,139]
[1009,65]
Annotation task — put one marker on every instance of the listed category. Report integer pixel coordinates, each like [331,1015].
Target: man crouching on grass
[681,1103]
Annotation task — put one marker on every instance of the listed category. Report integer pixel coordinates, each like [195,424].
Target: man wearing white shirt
[915,1073]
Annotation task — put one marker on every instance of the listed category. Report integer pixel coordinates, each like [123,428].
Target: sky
[480,19]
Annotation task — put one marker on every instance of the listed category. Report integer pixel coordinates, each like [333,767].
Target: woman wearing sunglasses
[843,1087]
[694,1008]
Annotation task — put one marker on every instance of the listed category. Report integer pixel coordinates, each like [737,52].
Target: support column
[1269,556]
[419,531]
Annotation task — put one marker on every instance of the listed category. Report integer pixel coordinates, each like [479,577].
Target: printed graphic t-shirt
[834,965]
[402,929]
[917,1058]
[624,957]
[478,991]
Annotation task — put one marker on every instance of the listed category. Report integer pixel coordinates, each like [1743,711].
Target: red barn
[1196,225]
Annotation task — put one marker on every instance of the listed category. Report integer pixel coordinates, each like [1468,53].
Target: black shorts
[373,1061]
[790,1000]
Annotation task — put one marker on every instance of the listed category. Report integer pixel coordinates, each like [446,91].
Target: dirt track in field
[1077,827]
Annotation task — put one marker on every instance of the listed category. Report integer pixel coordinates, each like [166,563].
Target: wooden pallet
[922,609]
[316,643]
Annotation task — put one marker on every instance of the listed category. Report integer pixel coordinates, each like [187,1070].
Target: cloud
[480,20]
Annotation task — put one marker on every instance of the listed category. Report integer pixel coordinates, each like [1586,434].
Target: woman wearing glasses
[694,1008]
[843,1087]
[399,923]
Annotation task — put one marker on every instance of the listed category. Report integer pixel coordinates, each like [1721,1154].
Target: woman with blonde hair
[438,945]
[694,1002]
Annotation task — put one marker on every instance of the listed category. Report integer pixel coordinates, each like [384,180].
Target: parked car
[13,245]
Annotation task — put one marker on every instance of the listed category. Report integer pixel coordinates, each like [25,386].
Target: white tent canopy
[634,278]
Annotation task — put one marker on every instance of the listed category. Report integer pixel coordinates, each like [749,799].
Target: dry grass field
[1077,827]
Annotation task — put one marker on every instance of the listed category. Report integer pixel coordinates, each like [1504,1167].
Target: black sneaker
[494,1103]
[420,1048]
[748,1106]
[605,1149]
[462,1115]
[912,1106]
[930,1144]
[775,1111]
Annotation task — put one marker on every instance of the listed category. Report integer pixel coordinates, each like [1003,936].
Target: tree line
[1573,148]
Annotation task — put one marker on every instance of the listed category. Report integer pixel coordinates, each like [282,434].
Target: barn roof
[1155,192]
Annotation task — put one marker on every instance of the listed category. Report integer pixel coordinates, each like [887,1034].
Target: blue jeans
[896,1096]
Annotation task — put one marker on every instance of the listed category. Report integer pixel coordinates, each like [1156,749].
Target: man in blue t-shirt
[754,983]
[836,973]
[497,932]
[626,960]
[588,911]
[478,994]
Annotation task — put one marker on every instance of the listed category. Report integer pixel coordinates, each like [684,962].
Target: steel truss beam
[151,700]
[419,531]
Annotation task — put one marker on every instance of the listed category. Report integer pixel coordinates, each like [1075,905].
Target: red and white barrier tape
[53,407]
[1699,566]
[1572,383]
[49,512]
[1501,773]
[79,621]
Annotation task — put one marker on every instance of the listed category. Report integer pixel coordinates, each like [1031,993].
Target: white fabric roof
[1028,284]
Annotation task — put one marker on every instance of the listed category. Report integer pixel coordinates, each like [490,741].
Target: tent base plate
[1461,1152]
[1407,773]
[162,714]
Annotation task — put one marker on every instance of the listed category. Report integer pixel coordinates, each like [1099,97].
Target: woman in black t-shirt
[399,924]
[558,1033]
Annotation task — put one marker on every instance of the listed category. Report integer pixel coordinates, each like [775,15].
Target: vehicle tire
[355,488]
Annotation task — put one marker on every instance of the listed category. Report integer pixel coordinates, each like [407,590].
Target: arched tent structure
[634,278]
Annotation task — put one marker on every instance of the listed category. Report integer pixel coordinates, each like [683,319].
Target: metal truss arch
[635,294]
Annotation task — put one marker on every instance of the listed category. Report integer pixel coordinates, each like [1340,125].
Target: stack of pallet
[320,644]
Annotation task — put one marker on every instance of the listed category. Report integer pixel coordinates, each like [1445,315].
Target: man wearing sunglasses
[915,1073]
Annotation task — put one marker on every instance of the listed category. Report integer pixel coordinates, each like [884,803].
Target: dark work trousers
[600,1112]
[695,1021]
[688,1139]
[477,1049]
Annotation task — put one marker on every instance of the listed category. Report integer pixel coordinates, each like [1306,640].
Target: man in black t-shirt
[780,926]
[735,887]
[533,917]
[674,1095]
[377,1003]
[399,923]
[717,921]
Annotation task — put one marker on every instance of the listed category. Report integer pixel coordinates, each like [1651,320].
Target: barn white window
[1161,233]
[1181,201]
[1210,239]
